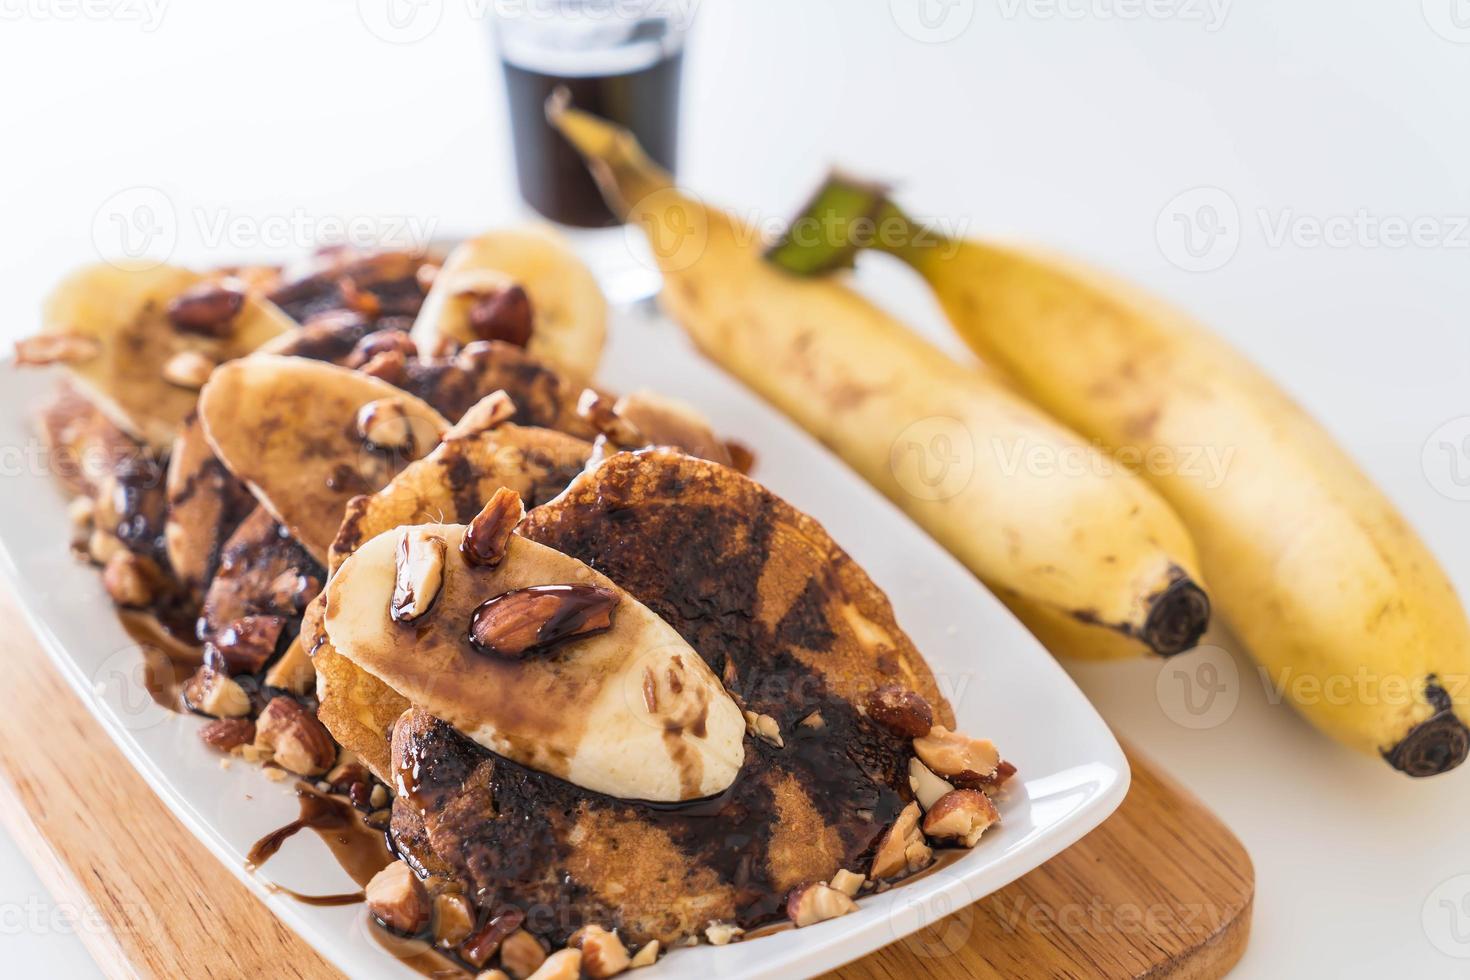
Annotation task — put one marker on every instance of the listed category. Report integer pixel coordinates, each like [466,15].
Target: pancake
[798,633]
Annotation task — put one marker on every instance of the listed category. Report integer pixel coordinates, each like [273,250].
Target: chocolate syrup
[553,178]
[359,849]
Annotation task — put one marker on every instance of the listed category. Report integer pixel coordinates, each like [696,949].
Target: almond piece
[847,882]
[521,954]
[188,369]
[812,903]
[723,933]
[454,920]
[502,314]
[376,343]
[129,579]
[488,535]
[482,944]
[961,815]
[603,953]
[564,964]
[901,711]
[208,309]
[398,899]
[902,848]
[384,425]
[295,738]
[764,727]
[957,756]
[483,415]
[647,955]
[294,672]
[419,574]
[225,734]
[389,365]
[56,348]
[598,411]
[535,619]
[927,787]
[217,694]
[248,642]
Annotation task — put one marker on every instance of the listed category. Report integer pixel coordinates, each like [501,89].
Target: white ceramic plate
[1002,683]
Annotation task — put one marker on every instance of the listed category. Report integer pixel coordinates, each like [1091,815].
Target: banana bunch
[1085,553]
[1331,590]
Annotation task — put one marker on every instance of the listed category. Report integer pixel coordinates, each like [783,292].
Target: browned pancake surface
[798,631]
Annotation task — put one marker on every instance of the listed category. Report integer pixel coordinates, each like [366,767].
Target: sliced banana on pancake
[539,659]
[140,341]
[481,454]
[307,436]
[474,298]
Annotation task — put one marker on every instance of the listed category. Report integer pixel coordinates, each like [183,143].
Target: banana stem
[624,173]
[845,216]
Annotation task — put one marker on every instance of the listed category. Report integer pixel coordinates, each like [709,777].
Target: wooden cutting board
[1161,889]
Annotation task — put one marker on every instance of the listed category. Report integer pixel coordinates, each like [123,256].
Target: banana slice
[205,505]
[568,313]
[306,436]
[632,712]
[124,314]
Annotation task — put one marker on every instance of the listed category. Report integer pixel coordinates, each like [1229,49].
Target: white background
[1074,123]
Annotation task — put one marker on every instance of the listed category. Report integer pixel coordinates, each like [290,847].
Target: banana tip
[1436,745]
[1178,618]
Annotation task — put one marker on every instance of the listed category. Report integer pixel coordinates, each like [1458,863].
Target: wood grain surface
[1161,889]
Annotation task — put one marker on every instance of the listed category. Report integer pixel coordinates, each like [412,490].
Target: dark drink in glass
[620,59]
[553,179]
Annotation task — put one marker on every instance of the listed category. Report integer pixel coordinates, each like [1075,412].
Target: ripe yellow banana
[1090,557]
[1310,564]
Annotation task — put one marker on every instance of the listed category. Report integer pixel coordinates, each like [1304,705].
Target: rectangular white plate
[1002,683]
